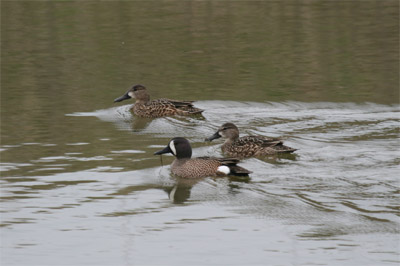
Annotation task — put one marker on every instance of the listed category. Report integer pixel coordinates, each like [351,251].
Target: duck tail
[239,171]
[286,149]
[196,111]
[185,107]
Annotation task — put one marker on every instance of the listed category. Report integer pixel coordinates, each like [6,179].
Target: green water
[80,184]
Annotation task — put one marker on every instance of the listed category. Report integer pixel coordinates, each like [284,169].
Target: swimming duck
[156,108]
[248,146]
[186,167]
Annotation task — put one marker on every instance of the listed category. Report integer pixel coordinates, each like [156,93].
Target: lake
[80,184]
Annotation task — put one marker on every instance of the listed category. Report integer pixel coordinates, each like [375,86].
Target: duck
[144,107]
[187,167]
[248,146]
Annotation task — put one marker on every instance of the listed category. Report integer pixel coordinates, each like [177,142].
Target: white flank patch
[131,94]
[223,169]
[172,147]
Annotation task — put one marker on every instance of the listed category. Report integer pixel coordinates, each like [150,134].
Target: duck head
[227,130]
[138,92]
[179,147]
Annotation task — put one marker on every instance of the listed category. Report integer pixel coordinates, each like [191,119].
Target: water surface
[80,184]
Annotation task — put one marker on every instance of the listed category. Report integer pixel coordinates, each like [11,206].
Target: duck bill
[123,97]
[165,150]
[215,136]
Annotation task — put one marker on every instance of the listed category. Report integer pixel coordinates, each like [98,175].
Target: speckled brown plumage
[144,107]
[248,146]
[164,107]
[205,166]
[184,166]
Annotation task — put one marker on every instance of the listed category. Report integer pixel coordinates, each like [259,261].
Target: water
[80,184]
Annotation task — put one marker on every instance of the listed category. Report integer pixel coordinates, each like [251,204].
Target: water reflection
[138,124]
[180,192]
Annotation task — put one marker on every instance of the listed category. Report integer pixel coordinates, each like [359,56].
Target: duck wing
[263,143]
[185,106]
[258,141]
[178,103]
[223,161]
[160,107]
[231,163]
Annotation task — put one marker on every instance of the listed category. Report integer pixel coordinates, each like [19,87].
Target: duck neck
[142,98]
[184,155]
[228,141]
[178,162]
[232,139]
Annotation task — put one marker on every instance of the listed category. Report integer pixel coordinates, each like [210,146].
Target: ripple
[128,151]
[12,166]
[341,183]
[78,144]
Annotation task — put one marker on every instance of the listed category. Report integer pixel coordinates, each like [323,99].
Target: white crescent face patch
[172,147]
[131,94]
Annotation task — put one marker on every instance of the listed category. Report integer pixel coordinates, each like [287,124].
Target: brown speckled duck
[248,146]
[144,107]
[186,167]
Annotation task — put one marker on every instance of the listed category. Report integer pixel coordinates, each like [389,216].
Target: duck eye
[136,87]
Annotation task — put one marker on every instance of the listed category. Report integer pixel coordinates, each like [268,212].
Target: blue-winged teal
[248,146]
[156,108]
[186,167]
